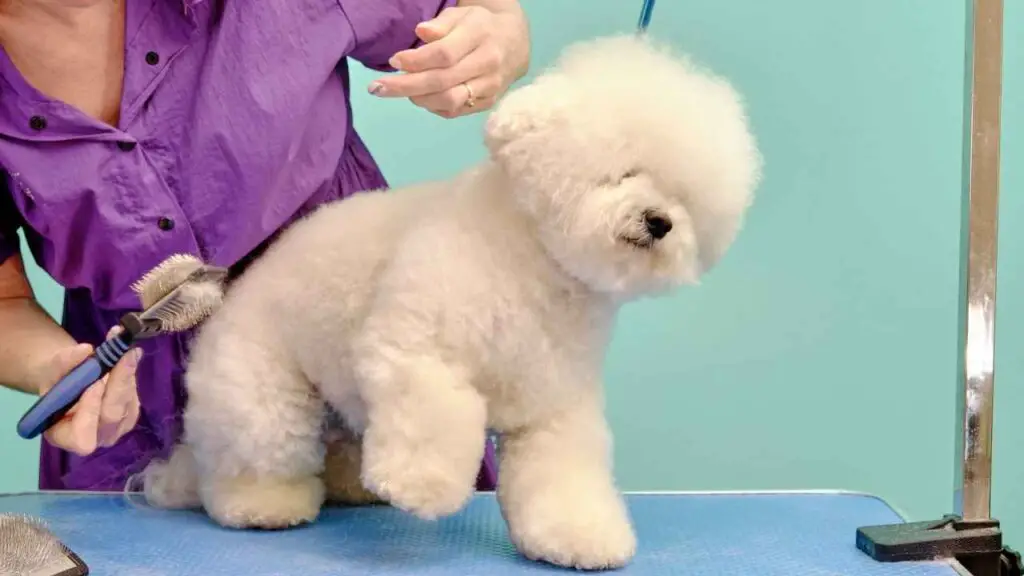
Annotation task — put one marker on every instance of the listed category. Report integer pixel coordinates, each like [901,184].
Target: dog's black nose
[657,224]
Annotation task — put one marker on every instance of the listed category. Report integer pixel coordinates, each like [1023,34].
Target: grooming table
[691,534]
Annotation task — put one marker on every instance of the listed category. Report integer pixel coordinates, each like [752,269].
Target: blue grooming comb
[645,16]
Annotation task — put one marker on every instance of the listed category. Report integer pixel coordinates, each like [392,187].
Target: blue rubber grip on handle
[52,406]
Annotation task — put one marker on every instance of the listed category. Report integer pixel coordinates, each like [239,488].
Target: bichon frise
[427,315]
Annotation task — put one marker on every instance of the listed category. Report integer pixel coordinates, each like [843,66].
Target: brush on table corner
[28,548]
[175,296]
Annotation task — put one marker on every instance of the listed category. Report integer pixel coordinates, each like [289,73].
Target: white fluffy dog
[425,316]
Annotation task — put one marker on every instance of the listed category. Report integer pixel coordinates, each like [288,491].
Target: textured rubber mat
[681,534]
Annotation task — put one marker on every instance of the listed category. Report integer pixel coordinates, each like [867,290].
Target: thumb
[441,26]
[62,363]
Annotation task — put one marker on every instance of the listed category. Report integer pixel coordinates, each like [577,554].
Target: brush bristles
[168,275]
[27,546]
[192,304]
[177,298]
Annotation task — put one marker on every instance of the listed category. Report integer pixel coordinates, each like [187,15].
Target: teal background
[822,352]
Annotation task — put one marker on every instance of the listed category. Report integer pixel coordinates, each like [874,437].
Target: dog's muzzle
[658,225]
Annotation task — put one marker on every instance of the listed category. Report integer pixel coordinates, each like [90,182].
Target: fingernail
[395,63]
[131,359]
[377,89]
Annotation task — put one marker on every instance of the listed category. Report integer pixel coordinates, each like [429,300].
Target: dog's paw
[264,503]
[570,543]
[580,533]
[421,483]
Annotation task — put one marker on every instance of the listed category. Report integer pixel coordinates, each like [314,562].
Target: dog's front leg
[557,492]
[425,434]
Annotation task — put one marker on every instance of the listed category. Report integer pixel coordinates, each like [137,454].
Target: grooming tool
[175,296]
[28,548]
[645,16]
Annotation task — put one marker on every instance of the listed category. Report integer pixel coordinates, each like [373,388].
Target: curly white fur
[428,314]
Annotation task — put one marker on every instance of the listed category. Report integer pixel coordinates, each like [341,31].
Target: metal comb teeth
[27,547]
[186,306]
[178,294]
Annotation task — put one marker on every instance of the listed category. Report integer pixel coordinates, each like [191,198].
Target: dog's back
[313,284]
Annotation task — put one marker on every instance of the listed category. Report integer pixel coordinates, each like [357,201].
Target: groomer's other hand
[105,412]
[470,57]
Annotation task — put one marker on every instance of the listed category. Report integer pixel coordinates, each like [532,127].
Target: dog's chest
[536,365]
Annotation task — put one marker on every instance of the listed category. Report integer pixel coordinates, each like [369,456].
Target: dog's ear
[523,112]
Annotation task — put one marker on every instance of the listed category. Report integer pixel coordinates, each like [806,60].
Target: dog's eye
[620,178]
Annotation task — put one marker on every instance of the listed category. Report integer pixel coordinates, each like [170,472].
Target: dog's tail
[171,483]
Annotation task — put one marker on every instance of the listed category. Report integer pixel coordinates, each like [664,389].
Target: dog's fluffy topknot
[628,100]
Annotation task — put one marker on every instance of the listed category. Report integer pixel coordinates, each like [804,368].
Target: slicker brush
[28,548]
[175,296]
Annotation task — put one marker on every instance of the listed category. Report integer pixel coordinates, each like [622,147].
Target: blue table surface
[756,534]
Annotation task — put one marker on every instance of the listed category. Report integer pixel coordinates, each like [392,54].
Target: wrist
[30,341]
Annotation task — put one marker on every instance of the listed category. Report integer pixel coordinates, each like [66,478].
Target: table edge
[765,492]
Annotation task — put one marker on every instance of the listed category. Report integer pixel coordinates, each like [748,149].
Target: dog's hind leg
[254,424]
[426,432]
[342,468]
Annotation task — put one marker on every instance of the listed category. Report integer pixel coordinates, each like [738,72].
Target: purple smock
[235,120]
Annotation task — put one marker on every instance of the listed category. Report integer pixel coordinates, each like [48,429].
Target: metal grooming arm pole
[983,94]
[971,536]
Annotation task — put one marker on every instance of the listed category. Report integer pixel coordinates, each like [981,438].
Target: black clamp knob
[1011,562]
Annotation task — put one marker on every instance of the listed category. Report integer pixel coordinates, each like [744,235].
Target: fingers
[77,431]
[453,101]
[62,363]
[445,22]
[120,397]
[130,419]
[85,421]
[437,80]
[463,46]
[106,410]
[444,51]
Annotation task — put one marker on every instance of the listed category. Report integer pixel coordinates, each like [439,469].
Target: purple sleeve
[10,221]
[384,27]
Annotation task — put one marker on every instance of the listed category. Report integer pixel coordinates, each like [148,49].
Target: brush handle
[54,404]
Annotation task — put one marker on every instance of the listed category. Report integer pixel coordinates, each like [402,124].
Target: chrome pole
[979,235]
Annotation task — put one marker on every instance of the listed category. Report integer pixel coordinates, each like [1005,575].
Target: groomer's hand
[105,412]
[471,54]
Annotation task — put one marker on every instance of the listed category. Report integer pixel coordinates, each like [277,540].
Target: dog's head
[636,166]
